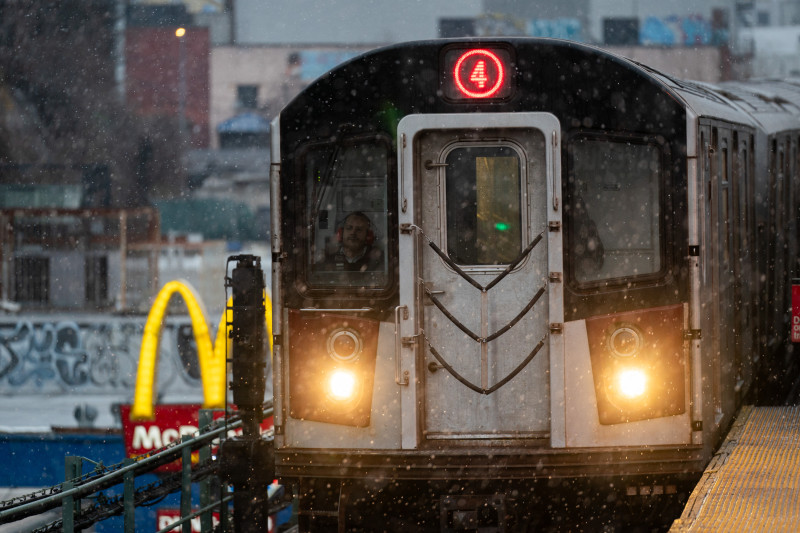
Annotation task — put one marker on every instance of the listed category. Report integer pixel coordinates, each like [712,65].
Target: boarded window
[31,279]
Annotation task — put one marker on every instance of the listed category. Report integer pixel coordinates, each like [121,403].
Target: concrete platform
[753,481]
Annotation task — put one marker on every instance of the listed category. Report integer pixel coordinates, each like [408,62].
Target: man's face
[354,234]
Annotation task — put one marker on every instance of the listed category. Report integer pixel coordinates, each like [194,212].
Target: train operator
[356,252]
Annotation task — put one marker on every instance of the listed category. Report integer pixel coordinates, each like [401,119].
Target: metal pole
[68,510]
[249,343]
[182,90]
[73,468]
[186,485]
[123,260]
[248,461]
[128,504]
[224,498]
[205,418]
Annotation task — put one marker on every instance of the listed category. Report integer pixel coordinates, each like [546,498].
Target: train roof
[703,99]
[775,104]
[769,104]
[585,87]
[581,84]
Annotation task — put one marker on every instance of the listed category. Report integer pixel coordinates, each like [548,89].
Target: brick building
[167,76]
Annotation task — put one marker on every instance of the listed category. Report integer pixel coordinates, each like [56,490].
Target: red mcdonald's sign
[169,424]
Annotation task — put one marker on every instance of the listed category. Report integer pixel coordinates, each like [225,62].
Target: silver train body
[584,267]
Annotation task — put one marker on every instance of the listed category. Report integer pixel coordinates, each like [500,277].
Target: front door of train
[481,274]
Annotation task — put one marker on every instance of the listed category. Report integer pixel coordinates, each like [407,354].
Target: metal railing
[77,487]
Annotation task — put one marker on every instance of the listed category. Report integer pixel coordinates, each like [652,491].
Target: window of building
[247,96]
[621,31]
[456,27]
[31,279]
[96,279]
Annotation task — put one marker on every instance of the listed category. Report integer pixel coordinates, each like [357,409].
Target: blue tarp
[244,123]
[37,461]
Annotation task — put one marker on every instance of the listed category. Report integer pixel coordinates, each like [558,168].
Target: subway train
[503,262]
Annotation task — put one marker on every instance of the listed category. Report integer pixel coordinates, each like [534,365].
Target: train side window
[346,214]
[614,213]
[725,202]
[745,182]
[482,188]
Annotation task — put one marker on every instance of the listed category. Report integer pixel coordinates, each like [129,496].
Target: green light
[502,226]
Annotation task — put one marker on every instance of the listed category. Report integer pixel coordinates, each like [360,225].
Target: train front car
[481,273]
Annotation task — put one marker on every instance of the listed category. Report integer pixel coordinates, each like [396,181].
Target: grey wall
[51,364]
[345,21]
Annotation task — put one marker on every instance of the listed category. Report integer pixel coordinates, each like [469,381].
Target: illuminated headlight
[638,364]
[342,385]
[332,367]
[632,383]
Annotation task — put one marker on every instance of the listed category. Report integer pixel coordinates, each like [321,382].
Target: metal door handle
[398,345]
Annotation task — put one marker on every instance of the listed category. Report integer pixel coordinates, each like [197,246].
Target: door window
[484,221]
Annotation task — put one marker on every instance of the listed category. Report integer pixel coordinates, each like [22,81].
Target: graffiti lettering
[98,355]
[562,28]
[69,356]
[34,352]
[677,30]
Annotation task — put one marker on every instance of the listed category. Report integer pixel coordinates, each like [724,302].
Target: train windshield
[615,214]
[483,205]
[347,215]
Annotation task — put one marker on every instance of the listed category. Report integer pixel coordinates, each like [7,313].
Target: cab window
[346,215]
[614,210]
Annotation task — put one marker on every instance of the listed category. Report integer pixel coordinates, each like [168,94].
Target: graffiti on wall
[680,30]
[560,28]
[101,356]
[674,30]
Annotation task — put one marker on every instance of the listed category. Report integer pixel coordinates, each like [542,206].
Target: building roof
[211,217]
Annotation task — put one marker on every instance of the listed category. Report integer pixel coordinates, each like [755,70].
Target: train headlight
[331,367]
[626,341]
[638,364]
[632,383]
[342,385]
[344,344]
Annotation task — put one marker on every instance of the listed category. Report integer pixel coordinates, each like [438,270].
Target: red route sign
[475,74]
[479,74]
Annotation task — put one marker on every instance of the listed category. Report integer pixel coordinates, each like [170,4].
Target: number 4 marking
[478,75]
